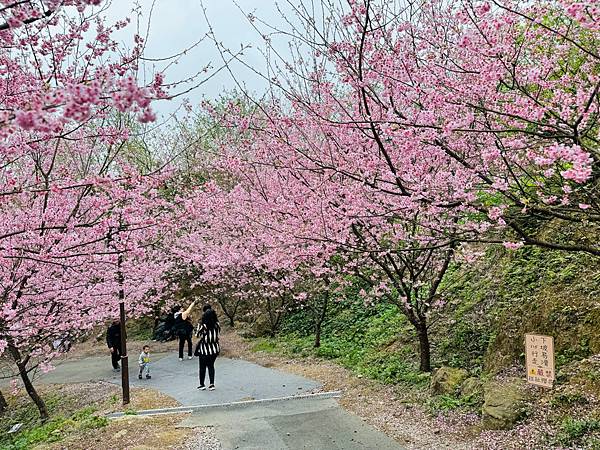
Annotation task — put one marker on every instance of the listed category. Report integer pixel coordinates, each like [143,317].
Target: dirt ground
[130,433]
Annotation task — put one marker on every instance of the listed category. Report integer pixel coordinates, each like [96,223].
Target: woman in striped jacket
[207,347]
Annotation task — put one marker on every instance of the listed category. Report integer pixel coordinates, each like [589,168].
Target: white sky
[177,24]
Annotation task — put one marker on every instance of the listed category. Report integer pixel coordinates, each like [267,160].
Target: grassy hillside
[512,293]
[372,341]
[492,304]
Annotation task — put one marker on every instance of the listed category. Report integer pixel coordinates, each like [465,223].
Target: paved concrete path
[236,380]
[310,423]
[307,423]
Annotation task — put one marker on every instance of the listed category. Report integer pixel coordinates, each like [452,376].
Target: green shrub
[465,345]
[362,339]
[574,353]
[448,402]
[55,430]
[568,399]
[572,431]
[264,345]
[140,329]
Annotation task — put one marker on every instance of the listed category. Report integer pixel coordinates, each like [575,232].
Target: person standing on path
[113,340]
[207,347]
[184,329]
[144,362]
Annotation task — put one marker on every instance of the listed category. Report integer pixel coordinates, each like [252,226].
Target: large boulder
[471,387]
[504,403]
[447,380]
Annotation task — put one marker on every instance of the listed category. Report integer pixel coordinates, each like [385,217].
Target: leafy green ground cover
[366,340]
[491,305]
[66,419]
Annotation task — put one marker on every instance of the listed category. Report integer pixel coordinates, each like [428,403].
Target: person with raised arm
[183,329]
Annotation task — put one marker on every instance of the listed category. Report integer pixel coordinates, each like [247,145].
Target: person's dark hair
[145,347]
[206,307]
[176,308]
[209,318]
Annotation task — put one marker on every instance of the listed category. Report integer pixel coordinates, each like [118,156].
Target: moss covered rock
[504,403]
[447,380]
[471,387]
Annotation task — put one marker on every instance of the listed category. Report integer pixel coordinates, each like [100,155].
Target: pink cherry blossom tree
[399,131]
[67,273]
[78,224]
[506,90]
[289,214]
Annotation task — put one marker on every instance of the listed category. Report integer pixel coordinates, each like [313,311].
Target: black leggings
[115,357]
[207,361]
[182,340]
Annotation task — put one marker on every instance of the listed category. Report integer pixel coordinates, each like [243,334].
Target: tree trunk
[227,311]
[320,320]
[3,404]
[424,348]
[317,343]
[41,405]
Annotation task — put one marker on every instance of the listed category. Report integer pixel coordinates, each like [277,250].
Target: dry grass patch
[157,432]
[78,420]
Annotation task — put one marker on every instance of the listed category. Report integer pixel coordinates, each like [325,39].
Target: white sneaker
[180,359]
[211,387]
[202,388]
[190,357]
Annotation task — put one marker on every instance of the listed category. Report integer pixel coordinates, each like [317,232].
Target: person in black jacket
[113,340]
[183,329]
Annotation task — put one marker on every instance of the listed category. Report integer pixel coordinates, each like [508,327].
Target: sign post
[539,352]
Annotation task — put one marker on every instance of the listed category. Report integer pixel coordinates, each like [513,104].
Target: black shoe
[140,376]
[147,377]
[211,387]
[202,387]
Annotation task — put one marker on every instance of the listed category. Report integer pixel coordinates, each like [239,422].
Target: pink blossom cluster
[76,217]
[410,133]
[58,74]
[578,159]
[584,12]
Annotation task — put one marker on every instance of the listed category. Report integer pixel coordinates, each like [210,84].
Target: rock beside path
[447,380]
[504,404]
[471,387]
